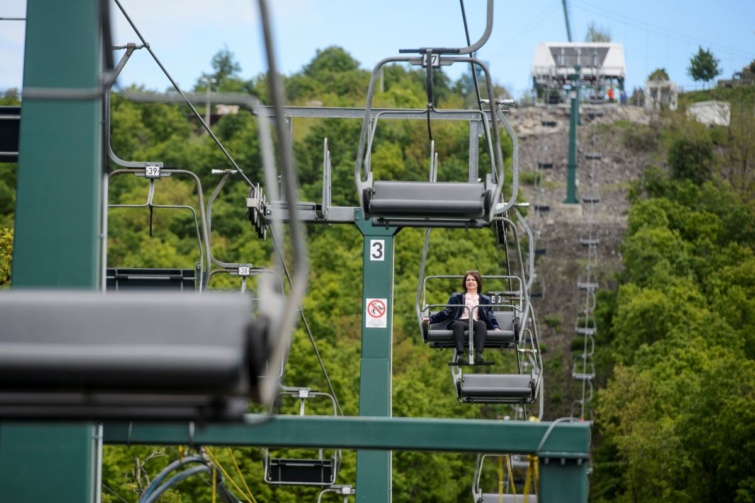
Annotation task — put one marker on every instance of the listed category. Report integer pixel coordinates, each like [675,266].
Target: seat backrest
[505,319]
[420,199]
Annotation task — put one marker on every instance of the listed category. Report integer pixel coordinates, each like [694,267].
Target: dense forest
[674,415]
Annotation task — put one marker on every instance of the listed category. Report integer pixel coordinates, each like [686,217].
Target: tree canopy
[704,66]
[597,33]
[658,74]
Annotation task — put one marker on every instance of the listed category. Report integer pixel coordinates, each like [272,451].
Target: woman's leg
[480,335]
[458,327]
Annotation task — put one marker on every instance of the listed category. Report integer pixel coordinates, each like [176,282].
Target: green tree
[6,256]
[10,97]
[226,72]
[597,34]
[333,77]
[691,159]
[659,74]
[703,66]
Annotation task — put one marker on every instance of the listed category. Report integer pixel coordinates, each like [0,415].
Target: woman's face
[470,282]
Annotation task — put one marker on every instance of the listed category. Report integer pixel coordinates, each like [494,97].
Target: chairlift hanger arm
[461,50]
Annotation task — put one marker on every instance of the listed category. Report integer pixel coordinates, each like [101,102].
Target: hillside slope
[560,227]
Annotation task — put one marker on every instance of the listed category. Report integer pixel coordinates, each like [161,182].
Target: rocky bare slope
[560,228]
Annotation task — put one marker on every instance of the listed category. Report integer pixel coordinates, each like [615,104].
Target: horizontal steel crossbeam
[564,440]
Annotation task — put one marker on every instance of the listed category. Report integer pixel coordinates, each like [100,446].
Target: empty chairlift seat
[306,472]
[422,203]
[319,471]
[503,388]
[150,279]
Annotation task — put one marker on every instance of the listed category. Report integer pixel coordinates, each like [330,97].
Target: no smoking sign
[375,315]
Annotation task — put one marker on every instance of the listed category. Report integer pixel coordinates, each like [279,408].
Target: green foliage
[529,178]
[659,74]
[692,159]
[225,77]
[597,34]
[6,256]
[553,321]
[7,194]
[680,327]
[332,77]
[703,66]
[640,138]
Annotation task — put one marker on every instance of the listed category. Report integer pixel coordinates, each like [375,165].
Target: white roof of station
[605,59]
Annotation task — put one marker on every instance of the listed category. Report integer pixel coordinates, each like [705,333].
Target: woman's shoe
[459,358]
[478,358]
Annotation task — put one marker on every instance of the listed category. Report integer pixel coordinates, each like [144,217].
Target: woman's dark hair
[477,278]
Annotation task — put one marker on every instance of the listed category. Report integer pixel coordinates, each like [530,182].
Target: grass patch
[553,321]
[529,178]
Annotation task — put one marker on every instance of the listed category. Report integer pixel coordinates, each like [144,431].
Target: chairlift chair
[537,289]
[589,241]
[81,355]
[590,199]
[122,279]
[585,324]
[587,284]
[320,471]
[510,309]
[154,172]
[583,368]
[470,203]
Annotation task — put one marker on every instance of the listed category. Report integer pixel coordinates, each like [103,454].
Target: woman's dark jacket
[456,307]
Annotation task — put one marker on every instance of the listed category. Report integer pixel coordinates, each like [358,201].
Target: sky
[186,34]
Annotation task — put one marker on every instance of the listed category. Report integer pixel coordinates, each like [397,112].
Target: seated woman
[461,305]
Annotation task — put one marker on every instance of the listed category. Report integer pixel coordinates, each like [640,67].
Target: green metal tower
[571,167]
[58,208]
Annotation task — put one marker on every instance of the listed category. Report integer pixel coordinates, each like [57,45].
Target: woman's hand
[425,320]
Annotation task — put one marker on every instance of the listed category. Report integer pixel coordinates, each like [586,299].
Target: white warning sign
[376,313]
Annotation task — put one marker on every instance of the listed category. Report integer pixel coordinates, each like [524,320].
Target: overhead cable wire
[238,472]
[114,493]
[249,498]
[306,326]
[526,28]
[178,89]
[595,9]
